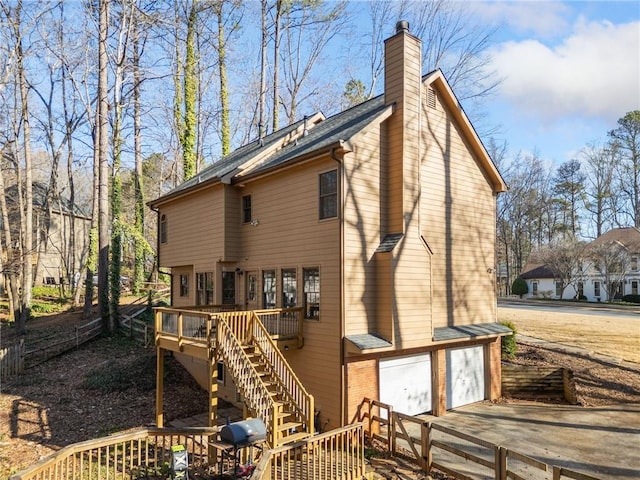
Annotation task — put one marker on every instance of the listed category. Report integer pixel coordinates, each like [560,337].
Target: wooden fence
[432,446]
[11,360]
[50,347]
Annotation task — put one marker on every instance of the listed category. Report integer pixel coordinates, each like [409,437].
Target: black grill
[243,433]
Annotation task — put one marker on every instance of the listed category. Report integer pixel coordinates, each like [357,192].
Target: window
[580,290]
[252,287]
[329,194]
[559,289]
[534,288]
[184,285]
[204,288]
[596,288]
[634,264]
[229,288]
[311,277]
[269,289]
[634,287]
[246,209]
[220,369]
[289,288]
[163,229]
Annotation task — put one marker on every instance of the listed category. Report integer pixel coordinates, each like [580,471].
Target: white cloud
[542,19]
[594,72]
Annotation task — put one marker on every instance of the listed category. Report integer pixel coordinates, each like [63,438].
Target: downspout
[343,419]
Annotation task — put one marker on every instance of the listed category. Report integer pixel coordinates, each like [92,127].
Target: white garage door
[405,383]
[465,376]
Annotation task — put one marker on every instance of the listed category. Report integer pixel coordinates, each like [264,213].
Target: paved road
[579,309]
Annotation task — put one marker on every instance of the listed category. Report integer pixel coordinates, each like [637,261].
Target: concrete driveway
[601,441]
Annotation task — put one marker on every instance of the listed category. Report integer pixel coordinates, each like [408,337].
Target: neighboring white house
[611,270]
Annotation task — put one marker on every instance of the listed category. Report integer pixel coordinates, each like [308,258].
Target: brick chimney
[402,87]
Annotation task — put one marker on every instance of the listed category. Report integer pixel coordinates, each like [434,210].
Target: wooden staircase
[269,388]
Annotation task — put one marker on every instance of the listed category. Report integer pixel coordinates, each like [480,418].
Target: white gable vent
[431,98]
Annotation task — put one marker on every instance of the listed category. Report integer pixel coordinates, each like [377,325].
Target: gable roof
[317,135]
[334,132]
[533,271]
[628,237]
[437,80]
[234,160]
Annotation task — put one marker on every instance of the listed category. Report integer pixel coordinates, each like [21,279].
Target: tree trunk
[102,123]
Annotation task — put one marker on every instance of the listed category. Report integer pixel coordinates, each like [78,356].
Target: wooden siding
[194,230]
[189,299]
[362,232]
[458,223]
[288,235]
[402,87]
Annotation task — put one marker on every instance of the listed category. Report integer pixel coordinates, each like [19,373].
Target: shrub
[519,287]
[633,298]
[509,344]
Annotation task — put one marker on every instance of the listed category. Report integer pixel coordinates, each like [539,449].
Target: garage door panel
[405,383]
[465,376]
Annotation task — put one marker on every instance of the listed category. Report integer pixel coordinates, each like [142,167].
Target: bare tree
[599,162]
[566,260]
[612,261]
[308,30]
[626,138]
[102,157]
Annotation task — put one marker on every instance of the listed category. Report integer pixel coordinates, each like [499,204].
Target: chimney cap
[402,26]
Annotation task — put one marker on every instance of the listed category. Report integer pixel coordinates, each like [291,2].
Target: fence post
[21,353]
[424,448]
[500,462]
[429,455]
[557,473]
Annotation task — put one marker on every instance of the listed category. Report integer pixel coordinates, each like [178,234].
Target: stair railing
[246,378]
[293,388]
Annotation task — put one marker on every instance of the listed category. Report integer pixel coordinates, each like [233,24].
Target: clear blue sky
[570,70]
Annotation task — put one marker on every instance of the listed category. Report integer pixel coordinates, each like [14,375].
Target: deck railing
[281,323]
[122,457]
[334,455]
[293,389]
[146,453]
[254,391]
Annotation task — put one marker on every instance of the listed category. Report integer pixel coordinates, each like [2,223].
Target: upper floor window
[634,264]
[329,194]
[311,278]
[163,229]
[289,288]
[246,209]
[184,285]
[204,288]
[269,289]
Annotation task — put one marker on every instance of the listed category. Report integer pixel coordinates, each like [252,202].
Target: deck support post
[159,387]
[213,392]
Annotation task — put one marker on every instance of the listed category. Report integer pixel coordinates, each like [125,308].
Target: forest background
[109,104]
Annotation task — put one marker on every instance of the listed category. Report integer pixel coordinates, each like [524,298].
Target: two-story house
[379,222]
[610,269]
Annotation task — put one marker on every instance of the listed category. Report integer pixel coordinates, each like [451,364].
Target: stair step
[294,437]
[288,426]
